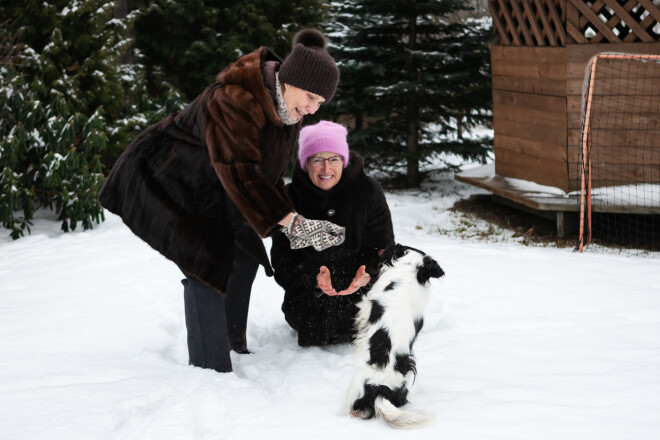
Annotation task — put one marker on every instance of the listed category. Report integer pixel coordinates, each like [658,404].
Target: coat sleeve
[292,272]
[379,231]
[233,119]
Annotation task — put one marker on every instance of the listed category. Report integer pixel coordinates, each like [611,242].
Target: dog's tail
[398,418]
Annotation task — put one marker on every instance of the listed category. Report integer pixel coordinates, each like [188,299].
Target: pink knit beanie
[325,136]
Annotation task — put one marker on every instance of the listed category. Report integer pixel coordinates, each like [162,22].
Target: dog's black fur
[390,317]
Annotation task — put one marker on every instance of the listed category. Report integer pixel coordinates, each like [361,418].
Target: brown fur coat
[209,178]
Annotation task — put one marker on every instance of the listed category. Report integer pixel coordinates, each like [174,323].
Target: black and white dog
[390,316]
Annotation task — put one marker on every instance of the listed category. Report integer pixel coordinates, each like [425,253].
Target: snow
[519,343]
[524,186]
[642,194]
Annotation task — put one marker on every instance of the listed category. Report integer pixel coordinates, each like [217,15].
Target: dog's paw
[360,414]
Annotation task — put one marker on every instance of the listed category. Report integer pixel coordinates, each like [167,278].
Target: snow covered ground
[519,343]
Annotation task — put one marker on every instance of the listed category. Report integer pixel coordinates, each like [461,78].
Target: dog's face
[399,255]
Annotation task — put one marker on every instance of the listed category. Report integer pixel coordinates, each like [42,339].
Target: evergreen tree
[66,105]
[193,40]
[413,80]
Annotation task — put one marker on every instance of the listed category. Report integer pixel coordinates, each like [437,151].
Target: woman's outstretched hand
[324,282]
[361,279]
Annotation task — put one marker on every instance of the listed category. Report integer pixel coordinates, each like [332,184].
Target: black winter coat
[210,178]
[358,203]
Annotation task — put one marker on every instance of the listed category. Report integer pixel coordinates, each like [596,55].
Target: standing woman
[321,288]
[201,186]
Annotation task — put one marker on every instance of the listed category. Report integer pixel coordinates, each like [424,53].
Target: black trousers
[217,324]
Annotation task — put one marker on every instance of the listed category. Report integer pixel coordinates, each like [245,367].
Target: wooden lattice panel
[528,22]
[562,22]
[614,21]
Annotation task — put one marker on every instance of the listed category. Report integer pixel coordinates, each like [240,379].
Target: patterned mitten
[320,234]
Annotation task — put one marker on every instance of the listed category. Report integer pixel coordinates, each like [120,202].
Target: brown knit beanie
[309,66]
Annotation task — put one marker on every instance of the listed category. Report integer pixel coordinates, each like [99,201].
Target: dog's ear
[429,269]
[391,253]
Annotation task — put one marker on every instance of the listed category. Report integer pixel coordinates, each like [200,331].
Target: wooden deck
[564,209]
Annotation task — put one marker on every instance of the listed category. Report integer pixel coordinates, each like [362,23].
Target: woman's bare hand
[361,279]
[324,282]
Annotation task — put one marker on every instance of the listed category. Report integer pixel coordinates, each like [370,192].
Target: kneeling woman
[322,287]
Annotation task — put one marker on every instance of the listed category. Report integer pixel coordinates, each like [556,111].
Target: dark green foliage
[66,106]
[413,81]
[193,40]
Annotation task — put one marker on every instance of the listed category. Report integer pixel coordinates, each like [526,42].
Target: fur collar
[255,72]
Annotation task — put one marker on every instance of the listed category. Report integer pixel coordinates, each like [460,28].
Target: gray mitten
[320,234]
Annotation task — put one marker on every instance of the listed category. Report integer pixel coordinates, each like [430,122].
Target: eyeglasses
[320,161]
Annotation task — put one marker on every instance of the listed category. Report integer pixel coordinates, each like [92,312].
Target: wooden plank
[528,54]
[574,182]
[573,104]
[539,117]
[531,147]
[608,68]
[625,138]
[529,131]
[631,104]
[574,140]
[573,153]
[634,121]
[637,86]
[606,174]
[648,156]
[621,138]
[576,70]
[583,52]
[626,103]
[530,101]
[530,70]
[516,172]
[620,122]
[499,185]
[574,120]
[535,169]
[626,68]
[536,86]
[574,86]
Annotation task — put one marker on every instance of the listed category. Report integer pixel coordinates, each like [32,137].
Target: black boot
[237,301]
[208,342]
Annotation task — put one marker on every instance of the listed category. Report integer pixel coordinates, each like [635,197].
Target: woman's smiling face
[300,102]
[324,169]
